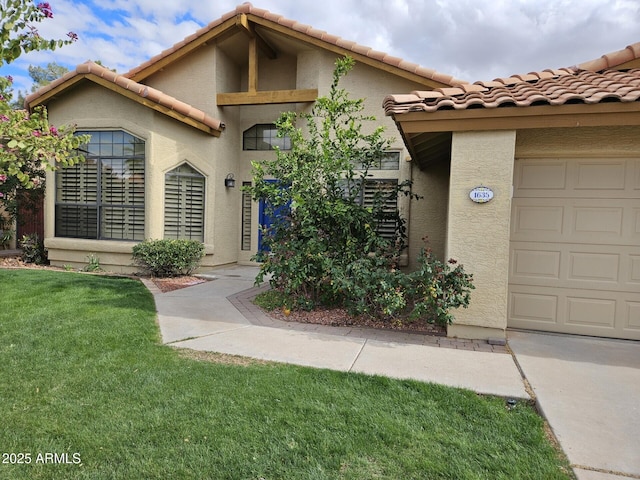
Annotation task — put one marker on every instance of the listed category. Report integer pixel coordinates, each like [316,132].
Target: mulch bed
[176,283]
[339,317]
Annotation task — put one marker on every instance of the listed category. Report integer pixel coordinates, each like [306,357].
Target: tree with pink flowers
[29,145]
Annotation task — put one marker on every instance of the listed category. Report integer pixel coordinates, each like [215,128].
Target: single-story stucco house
[557,248]
[171,136]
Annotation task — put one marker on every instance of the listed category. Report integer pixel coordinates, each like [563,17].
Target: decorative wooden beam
[253,65]
[242,22]
[267,97]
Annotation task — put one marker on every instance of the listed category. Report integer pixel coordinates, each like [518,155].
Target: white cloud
[465,38]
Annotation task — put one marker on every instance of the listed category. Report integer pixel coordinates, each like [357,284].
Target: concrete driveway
[589,391]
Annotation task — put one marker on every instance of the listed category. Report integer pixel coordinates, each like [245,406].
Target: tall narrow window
[103,197]
[184,192]
[246,218]
[383,191]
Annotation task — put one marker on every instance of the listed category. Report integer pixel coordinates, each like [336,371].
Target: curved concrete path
[588,389]
[218,316]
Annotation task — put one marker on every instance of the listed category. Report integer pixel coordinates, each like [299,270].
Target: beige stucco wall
[428,216]
[579,142]
[168,144]
[478,234]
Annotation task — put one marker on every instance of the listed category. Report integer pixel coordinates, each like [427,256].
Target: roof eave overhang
[65,86]
[516,118]
[420,128]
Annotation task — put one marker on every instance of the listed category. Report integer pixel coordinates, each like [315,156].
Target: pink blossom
[3,178]
[36,133]
[1,194]
[53,131]
[46,9]
[72,36]
[4,118]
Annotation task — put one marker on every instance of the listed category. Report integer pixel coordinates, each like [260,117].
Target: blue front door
[267,217]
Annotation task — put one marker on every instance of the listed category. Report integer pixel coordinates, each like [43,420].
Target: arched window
[103,197]
[264,136]
[184,192]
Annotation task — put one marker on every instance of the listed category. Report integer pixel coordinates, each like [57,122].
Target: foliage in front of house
[168,258]
[29,145]
[33,250]
[324,246]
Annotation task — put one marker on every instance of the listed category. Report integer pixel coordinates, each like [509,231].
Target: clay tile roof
[613,59]
[331,40]
[590,82]
[566,86]
[94,72]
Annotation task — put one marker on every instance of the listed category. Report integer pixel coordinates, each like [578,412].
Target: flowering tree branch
[28,144]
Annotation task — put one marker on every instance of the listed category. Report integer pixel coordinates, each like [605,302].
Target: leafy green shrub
[168,258]
[93,264]
[372,286]
[436,288]
[324,245]
[271,300]
[33,250]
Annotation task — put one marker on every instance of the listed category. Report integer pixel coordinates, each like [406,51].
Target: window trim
[196,174]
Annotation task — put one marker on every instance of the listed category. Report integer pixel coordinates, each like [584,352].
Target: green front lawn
[82,372]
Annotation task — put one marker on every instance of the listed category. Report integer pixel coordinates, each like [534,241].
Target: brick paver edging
[243,301]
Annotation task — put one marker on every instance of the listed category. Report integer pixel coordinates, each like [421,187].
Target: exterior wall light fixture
[229,181]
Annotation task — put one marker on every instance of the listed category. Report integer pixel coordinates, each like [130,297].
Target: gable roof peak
[305,33]
[143,94]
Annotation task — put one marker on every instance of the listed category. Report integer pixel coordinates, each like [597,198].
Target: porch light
[229,181]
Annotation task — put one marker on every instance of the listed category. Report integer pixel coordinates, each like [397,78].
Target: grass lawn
[83,373]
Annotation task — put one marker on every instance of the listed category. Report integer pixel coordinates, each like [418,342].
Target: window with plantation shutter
[184,190]
[383,191]
[246,219]
[103,197]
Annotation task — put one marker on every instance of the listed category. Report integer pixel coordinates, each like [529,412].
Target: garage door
[575,247]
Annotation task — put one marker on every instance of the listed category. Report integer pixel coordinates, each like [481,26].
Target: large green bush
[324,245]
[168,258]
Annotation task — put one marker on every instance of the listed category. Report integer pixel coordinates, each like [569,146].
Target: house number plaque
[481,194]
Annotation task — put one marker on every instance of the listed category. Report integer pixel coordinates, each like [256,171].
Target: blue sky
[468,39]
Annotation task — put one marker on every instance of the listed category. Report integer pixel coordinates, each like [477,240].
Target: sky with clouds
[468,39]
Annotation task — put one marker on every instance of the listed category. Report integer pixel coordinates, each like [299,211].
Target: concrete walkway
[218,316]
[588,389]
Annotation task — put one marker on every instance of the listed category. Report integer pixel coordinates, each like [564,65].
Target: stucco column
[478,233]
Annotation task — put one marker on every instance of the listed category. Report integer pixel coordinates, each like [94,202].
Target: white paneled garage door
[575,247]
